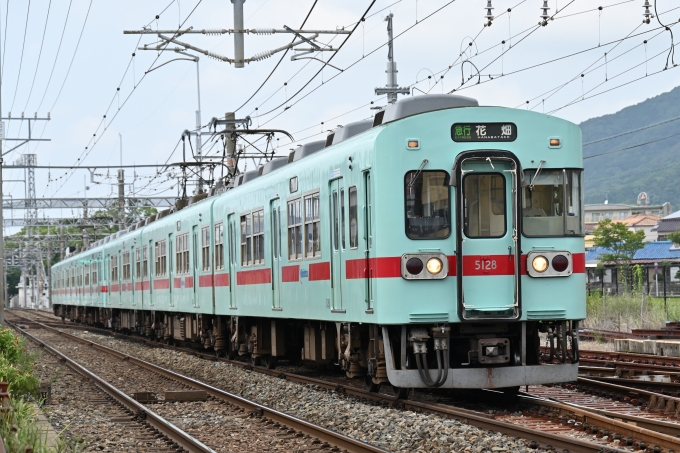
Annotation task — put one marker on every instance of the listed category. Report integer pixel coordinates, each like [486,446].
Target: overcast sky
[152,117]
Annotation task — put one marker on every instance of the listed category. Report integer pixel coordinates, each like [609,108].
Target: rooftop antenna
[391,89]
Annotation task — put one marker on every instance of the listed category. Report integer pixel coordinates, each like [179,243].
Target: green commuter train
[437,244]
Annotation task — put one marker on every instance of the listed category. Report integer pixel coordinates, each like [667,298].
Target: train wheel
[400,392]
[369,385]
[269,362]
[510,393]
[255,361]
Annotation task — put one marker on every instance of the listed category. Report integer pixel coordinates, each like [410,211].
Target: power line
[280,59]
[352,64]
[21,61]
[49,6]
[631,147]
[94,140]
[54,65]
[632,131]
[4,44]
[82,30]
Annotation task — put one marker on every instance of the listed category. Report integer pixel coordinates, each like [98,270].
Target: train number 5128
[485,265]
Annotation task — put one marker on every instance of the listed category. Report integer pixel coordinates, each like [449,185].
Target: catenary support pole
[238,33]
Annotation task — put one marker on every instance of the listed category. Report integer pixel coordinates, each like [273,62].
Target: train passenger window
[161,260]
[342,217]
[87,275]
[428,208]
[205,248]
[126,266]
[246,241]
[551,203]
[145,262]
[138,263]
[114,268]
[294,230]
[219,246]
[258,237]
[182,253]
[312,226]
[95,280]
[353,219]
[484,204]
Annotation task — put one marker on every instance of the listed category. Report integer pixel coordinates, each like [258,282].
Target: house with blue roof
[660,259]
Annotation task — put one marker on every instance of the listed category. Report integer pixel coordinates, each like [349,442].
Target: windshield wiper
[420,169]
[538,172]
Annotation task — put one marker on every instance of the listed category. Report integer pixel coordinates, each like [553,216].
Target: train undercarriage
[475,355]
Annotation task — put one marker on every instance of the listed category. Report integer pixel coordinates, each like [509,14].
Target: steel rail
[656,400]
[178,436]
[465,416]
[319,432]
[639,428]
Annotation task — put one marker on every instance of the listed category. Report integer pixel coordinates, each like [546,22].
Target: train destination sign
[484,132]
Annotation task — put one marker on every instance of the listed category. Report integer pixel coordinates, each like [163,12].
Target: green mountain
[652,167]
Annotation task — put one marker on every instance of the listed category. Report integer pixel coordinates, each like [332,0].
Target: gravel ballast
[391,429]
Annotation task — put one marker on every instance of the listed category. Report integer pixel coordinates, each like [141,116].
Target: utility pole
[392,88]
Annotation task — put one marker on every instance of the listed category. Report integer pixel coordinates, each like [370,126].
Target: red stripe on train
[221,279]
[161,284]
[254,277]
[319,271]
[205,280]
[290,273]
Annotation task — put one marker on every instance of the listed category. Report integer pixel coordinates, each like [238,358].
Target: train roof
[403,108]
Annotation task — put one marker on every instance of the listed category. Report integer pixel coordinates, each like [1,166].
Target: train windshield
[552,203]
[428,208]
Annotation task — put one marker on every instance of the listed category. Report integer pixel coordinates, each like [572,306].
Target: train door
[195,264]
[119,280]
[488,257]
[231,236]
[368,239]
[133,276]
[170,267]
[149,266]
[104,278]
[275,217]
[337,236]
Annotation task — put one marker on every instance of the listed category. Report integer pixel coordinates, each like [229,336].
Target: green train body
[432,248]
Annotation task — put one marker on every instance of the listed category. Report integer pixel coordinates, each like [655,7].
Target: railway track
[556,418]
[255,420]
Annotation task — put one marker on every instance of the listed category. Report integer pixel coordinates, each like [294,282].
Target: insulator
[213,31]
[263,31]
[545,16]
[262,55]
[216,56]
[489,15]
[647,14]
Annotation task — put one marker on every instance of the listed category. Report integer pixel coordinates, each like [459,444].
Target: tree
[13,276]
[619,240]
[675,237]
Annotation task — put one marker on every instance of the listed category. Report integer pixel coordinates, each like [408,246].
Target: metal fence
[657,281]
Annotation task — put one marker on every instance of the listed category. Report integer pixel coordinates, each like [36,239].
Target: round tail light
[560,263]
[414,266]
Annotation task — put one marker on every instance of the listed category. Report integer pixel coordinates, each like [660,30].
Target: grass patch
[625,312]
[18,419]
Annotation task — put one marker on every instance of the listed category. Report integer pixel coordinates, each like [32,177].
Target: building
[668,224]
[659,259]
[644,222]
[594,213]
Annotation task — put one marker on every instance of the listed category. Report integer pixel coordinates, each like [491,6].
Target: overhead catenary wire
[37,65]
[94,140]
[21,60]
[632,131]
[631,147]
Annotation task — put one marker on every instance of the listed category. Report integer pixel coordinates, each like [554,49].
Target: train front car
[479,214]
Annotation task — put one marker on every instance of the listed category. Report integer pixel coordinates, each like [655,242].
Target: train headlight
[540,264]
[414,266]
[434,266]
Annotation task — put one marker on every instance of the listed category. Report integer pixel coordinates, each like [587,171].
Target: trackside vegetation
[19,426]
